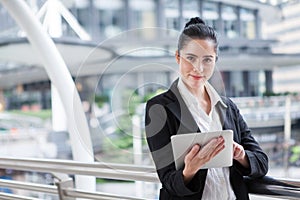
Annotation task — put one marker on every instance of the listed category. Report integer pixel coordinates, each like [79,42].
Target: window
[229,16]
[172,14]
[142,13]
[190,9]
[210,14]
[112,16]
[248,24]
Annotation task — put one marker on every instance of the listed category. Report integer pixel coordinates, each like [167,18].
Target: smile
[197,77]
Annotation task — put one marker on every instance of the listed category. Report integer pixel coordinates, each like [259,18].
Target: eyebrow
[191,54]
[206,56]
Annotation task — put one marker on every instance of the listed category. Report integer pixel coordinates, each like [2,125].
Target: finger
[218,149]
[215,141]
[236,154]
[212,146]
[234,145]
[193,152]
[211,150]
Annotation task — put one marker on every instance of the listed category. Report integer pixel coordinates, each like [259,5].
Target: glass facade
[103,20]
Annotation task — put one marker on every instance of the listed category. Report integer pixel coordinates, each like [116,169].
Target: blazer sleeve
[160,125]
[258,160]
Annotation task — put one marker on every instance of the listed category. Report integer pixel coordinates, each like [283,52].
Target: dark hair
[197,29]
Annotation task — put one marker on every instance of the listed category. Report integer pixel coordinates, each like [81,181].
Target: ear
[177,57]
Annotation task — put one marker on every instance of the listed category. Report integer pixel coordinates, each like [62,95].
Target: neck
[203,98]
[199,92]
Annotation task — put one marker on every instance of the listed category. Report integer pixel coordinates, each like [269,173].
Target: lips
[197,77]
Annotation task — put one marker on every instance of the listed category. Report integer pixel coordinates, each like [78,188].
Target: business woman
[193,105]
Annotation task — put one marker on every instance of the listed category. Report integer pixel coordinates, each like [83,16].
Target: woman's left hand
[240,155]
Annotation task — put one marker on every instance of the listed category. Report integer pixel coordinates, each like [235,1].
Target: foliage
[269,94]
[43,114]
[151,95]
[101,99]
[123,140]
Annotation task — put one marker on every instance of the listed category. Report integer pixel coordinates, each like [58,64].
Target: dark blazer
[167,115]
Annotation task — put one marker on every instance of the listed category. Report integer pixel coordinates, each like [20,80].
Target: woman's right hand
[198,156]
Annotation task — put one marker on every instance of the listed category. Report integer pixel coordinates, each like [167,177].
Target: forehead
[198,46]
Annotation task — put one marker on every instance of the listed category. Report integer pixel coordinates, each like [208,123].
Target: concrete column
[200,8]
[160,16]
[269,81]
[181,20]
[246,84]
[220,25]
[128,16]
[257,25]
[94,21]
[239,22]
[226,79]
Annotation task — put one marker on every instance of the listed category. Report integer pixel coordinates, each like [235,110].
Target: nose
[198,67]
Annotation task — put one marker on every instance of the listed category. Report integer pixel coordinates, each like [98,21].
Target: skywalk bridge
[76,179]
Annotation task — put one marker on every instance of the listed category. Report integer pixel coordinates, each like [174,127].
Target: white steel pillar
[59,75]
[59,118]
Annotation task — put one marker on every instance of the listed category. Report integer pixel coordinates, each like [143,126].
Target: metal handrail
[6,196]
[275,188]
[266,186]
[70,192]
[51,189]
[96,169]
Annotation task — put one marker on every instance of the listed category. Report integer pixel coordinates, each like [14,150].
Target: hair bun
[194,20]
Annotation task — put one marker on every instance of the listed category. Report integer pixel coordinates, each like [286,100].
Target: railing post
[61,186]
[287,133]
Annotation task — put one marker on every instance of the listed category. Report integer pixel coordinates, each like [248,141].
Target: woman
[192,105]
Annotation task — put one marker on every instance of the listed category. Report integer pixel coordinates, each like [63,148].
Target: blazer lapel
[181,111]
[228,121]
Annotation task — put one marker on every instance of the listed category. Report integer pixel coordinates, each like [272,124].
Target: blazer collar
[178,107]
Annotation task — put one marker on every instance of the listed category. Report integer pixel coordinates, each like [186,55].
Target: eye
[208,60]
[191,58]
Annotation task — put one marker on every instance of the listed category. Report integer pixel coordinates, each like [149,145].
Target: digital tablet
[182,144]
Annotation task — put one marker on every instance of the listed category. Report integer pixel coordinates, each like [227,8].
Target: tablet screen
[182,144]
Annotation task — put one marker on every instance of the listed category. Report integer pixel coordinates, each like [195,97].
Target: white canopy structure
[45,49]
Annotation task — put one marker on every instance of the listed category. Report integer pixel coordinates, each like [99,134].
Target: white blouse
[217,185]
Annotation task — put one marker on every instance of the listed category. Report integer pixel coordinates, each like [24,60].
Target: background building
[243,51]
[286,31]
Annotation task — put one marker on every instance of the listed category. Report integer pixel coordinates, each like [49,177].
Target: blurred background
[120,53]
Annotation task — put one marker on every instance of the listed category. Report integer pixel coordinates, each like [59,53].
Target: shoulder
[229,102]
[166,97]
[163,99]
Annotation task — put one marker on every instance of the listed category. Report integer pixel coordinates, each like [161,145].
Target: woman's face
[196,62]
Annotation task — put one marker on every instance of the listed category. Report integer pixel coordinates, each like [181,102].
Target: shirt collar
[188,97]
[214,96]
